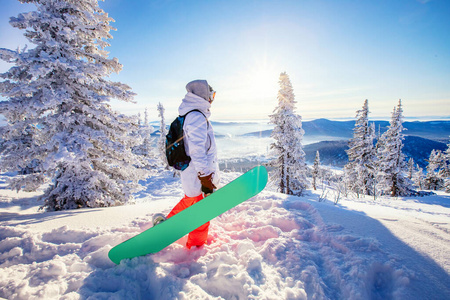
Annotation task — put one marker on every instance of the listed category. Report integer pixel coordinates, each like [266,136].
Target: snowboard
[162,235]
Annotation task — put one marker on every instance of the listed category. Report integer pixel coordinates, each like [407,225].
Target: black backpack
[175,149]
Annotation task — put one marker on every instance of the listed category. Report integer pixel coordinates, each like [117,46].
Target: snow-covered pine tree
[290,166]
[58,90]
[447,164]
[139,119]
[433,179]
[316,170]
[148,130]
[411,168]
[392,169]
[419,178]
[144,134]
[162,138]
[361,154]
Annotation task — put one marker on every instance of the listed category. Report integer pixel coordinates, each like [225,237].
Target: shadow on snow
[357,257]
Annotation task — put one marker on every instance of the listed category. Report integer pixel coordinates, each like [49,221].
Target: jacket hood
[196,98]
[199,88]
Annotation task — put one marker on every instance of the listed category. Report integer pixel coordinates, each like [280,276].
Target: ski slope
[272,246]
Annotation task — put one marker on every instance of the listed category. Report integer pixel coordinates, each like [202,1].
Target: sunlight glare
[263,81]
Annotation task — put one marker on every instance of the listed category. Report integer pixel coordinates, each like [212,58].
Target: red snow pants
[198,236]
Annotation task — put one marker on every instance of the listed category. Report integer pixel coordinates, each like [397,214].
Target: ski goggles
[212,95]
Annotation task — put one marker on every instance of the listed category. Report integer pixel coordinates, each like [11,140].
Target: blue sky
[337,54]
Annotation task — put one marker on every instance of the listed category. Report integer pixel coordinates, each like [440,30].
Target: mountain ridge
[433,130]
[334,152]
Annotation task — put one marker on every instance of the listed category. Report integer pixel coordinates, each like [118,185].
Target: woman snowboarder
[201,177]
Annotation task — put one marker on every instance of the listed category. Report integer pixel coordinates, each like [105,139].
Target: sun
[251,92]
[262,80]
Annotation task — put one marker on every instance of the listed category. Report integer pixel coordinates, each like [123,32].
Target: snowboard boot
[158,218]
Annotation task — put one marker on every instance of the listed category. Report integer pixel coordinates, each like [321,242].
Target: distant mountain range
[420,139]
[333,153]
[433,130]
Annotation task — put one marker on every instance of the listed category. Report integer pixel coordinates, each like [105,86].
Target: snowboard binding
[158,218]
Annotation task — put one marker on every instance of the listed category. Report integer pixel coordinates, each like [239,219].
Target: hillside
[333,152]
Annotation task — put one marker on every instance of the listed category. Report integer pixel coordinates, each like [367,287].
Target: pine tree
[447,169]
[411,168]
[58,113]
[433,179]
[290,165]
[419,178]
[361,154]
[391,160]
[144,134]
[316,170]
[162,138]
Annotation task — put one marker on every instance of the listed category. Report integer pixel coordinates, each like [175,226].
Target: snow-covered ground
[272,246]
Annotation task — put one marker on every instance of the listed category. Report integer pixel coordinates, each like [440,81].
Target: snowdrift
[270,247]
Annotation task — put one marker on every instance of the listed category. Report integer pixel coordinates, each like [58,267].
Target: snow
[272,246]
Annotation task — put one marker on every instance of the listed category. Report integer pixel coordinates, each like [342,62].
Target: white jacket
[200,144]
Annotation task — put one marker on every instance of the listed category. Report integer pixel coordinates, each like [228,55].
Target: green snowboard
[158,237]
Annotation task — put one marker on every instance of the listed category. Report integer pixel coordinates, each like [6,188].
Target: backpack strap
[207,122]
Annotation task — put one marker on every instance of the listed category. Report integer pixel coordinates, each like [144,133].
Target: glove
[207,185]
